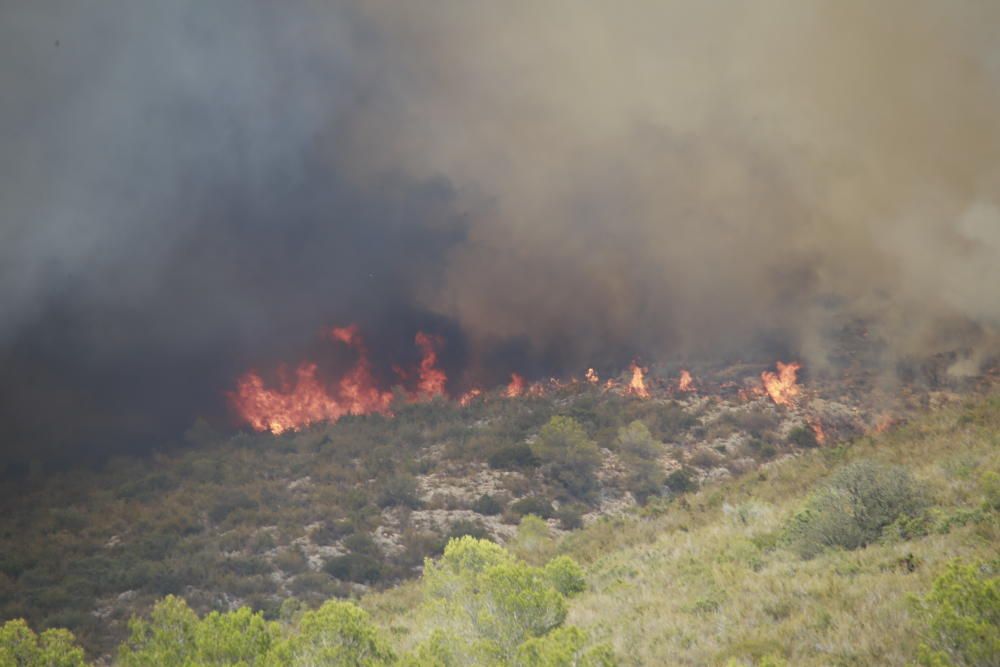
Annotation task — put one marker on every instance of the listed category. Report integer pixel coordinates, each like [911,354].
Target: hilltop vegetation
[879,551]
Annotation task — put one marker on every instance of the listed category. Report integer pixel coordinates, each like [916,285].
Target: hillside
[688,578]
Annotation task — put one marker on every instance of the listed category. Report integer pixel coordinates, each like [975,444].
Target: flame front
[637,385]
[516,386]
[781,386]
[591,376]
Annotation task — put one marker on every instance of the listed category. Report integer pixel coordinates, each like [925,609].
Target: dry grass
[705,580]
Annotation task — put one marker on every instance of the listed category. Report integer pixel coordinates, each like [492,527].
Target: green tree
[963,617]
[337,634]
[21,647]
[565,647]
[490,603]
[175,636]
[570,458]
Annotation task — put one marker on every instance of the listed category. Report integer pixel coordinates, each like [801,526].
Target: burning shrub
[570,457]
[858,503]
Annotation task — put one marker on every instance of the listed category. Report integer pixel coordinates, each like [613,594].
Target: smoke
[192,189]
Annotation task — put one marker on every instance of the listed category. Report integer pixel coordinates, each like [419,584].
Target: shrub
[635,442]
[570,457]
[855,506]
[570,517]
[565,575]
[536,505]
[399,490]
[487,505]
[359,568]
[803,436]
[513,457]
[963,616]
[464,527]
[681,481]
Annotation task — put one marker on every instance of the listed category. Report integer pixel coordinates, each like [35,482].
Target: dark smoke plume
[188,189]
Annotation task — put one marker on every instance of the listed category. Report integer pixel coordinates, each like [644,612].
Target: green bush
[563,647]
[963,617]
[570,517]
[399,490]
[569,456]
[803,436]
[681,480]
[855,506]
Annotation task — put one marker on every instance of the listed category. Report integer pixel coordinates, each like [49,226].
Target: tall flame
[686,382]
[781,386]
[516,386]
[637,385]
[432,378]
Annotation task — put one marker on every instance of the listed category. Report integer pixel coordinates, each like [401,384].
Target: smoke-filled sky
[189,189]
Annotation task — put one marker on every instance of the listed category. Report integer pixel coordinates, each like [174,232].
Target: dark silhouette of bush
[487,505]
[536,505]
[513,457]
[681,481]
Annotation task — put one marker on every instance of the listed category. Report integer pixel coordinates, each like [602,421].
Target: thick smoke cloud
[188,189]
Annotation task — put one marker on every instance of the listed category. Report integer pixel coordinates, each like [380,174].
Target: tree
[175,636]
[21,647]
[338,633]
[963,616]
[569,456]
[565,647]
[489,603]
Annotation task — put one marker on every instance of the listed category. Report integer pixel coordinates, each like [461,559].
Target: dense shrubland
[881,551]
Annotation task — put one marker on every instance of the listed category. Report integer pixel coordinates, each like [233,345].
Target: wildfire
[591,376]
[637,385]
[469,396]
[306,400]
[432,378]
[516,386]
[817,429]
[781,386]
[686,382]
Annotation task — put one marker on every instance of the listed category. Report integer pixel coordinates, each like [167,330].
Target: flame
[469,396]
[781,386]
[307,401]
[817,429]
[883,422]
[686,382]
[591,376]
[432,378]
[516,386]
[637,385]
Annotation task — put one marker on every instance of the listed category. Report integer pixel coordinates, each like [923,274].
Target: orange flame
[686,382]
[591,376]
[469,396]
[637,385]
[432,378]
[817,429]
[781,386]
[307,401]
[516,386]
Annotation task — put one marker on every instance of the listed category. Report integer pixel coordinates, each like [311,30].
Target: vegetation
[878,551]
